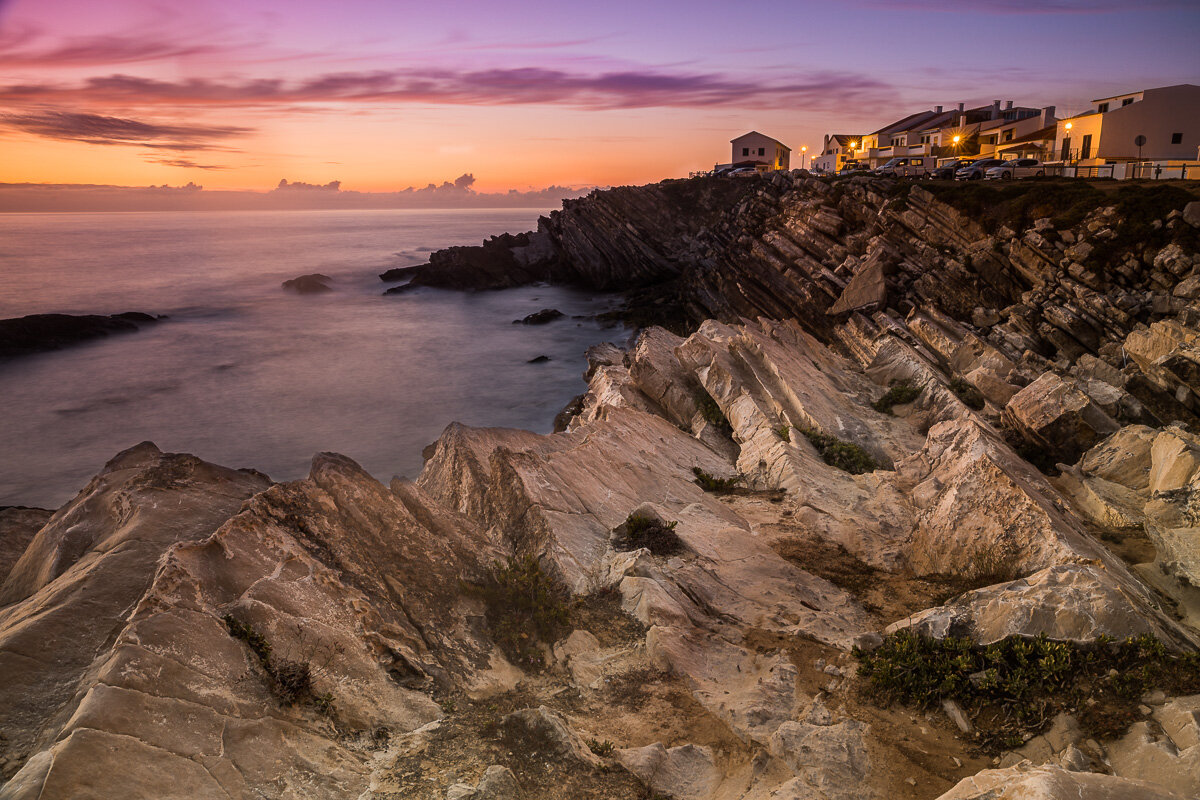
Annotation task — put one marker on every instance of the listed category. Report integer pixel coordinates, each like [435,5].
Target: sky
[385,94]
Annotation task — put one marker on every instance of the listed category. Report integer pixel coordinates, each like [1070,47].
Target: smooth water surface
[247,374]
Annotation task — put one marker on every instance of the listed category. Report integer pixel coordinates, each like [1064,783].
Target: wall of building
[774,154]
[1158,115]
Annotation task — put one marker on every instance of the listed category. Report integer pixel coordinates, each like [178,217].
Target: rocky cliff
[904,509]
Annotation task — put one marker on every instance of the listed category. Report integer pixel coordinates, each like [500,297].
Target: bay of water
[247,374]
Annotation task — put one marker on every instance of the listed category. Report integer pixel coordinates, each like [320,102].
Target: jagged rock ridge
[154,623]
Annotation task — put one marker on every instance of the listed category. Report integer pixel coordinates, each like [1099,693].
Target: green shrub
[604,749]
[712,412]
[525,607]
[901,392]
[290,680]
[640,531]
[970,396]
[784,432]
[843,455]
[1018,684]
[711,483]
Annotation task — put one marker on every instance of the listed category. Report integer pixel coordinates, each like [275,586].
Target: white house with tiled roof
[760,151]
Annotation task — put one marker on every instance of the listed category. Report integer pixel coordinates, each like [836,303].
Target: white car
[1017,168]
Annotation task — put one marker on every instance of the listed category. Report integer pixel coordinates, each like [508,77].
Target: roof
[907,123]
[1142,91]
[756,133]
[1045,134]
[845,139]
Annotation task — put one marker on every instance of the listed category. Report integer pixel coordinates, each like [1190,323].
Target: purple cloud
[97,129]
[532,85]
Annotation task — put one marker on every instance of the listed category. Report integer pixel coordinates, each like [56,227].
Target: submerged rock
[309,284]
[541,317]
[40,332]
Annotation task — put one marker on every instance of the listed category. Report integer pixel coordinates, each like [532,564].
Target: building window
[1126,101]
[1085,149]
[762,151]
[1066,148]
[745,151]
[1102,107]
[1176,138]
[1008,136]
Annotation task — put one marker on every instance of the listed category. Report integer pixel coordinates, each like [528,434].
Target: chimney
[1047,116]
[1008,105]
[995,109]
[961,106]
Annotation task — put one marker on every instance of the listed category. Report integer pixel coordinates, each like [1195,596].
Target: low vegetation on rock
[970,396]
[711,483]
[712,412]
[655,535]
[784,432]
[1015,686]
[843,455]
[898,394]
[526,607]
[290,680]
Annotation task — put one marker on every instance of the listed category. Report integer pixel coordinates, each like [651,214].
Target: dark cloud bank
[36,197]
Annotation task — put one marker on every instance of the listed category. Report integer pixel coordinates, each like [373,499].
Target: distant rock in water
[538,360]
[309,284]
[398,274]
[402,289]
[540,317]
[38,333]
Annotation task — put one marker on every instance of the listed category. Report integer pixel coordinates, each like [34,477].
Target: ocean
[247,374]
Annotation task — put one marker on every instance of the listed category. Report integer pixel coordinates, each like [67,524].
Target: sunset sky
[382,95]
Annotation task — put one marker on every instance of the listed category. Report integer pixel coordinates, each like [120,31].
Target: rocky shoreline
[883,411]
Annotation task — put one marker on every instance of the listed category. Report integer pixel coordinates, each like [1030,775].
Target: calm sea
[247,374]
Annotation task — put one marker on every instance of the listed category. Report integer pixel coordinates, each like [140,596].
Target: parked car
[946,171]
[976,169]
[1017,168]
[742,172]
[854,169]
[906,167]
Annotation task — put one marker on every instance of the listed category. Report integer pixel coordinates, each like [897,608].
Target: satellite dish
[1139,140]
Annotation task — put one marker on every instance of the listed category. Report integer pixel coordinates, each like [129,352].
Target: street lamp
[803,150]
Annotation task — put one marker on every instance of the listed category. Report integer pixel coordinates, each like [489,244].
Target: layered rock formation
[185,630]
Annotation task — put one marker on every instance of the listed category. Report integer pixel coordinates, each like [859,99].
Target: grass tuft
[843,455]
[525,607]
[640,531]
[901,392]
[711,483]
[970,396]
[1017,685]
[712,412]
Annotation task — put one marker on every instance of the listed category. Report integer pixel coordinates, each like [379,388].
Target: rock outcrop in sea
[38,333]
[885,433]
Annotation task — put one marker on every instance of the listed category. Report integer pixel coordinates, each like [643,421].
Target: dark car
[854,168]
[976,169]
[946,171]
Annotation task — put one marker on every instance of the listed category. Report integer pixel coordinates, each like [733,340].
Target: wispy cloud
[96,51]
[532,85]
[185,163]
[97,129]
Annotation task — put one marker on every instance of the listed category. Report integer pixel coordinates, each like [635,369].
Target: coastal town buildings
[837,148]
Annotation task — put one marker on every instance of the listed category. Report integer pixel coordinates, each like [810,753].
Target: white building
[1166,119]
[757,150]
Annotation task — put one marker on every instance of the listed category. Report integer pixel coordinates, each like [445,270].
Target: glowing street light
[803,150]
